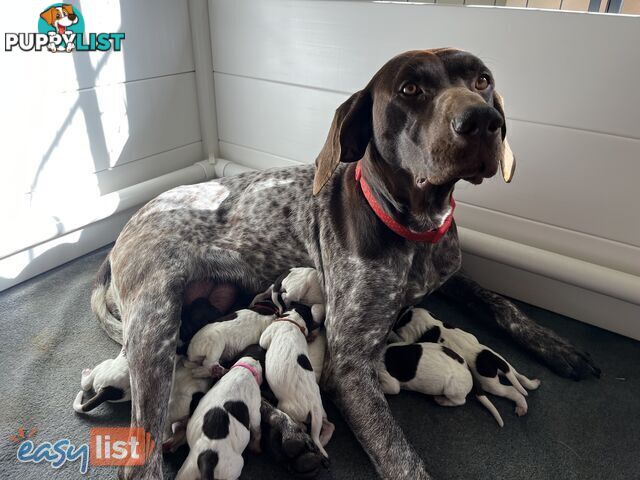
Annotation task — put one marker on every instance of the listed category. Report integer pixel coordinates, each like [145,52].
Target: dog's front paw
[563,358]
[291,445]
[52,48]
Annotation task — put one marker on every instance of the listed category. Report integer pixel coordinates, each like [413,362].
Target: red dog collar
[431,236]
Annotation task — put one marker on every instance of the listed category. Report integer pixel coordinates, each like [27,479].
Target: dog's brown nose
[72,16]
[481,120]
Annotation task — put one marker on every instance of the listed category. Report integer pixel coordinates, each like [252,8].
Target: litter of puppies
[277,344]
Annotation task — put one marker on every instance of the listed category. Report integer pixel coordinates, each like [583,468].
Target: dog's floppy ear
[507,160]
[350,132]
[47,15]
[68,8]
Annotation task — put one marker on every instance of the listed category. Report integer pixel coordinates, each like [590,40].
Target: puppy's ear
[348,137]
[68,8]
[47,15]
[507,160]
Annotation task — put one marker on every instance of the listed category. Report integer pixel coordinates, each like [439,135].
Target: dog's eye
[410,89]
[57,15]
[483,82]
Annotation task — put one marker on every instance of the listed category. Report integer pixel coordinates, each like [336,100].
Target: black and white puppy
[426,368]
[223,340]
[224,422]
[487,366]
[431,369]
[186,393]
[290,375]
[108,381]
[300,285]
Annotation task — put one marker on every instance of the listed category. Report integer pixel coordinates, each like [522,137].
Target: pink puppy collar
[253,371]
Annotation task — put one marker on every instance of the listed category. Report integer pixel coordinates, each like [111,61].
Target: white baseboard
[585,305]
[38,259]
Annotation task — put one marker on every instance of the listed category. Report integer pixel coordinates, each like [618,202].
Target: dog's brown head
[433,115]
[60,17]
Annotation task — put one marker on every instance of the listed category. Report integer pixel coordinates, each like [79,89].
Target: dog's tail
[99,297]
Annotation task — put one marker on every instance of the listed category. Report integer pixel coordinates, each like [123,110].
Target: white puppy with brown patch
[224,422]
[108,381]
[290,375]
[186,393]
[223,340]
[417,324]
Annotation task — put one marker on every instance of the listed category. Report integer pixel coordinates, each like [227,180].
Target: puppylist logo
[61,29]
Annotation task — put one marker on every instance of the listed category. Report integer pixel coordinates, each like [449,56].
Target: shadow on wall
[38,258]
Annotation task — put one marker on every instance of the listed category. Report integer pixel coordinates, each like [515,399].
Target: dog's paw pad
[307,462]
[563,358]
[293,447]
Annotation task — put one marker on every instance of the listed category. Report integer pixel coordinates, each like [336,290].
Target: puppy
[299,285]
[290,375]
[431,369]
[223,340]
[227,417]
[109,381]
[186,393]
[60,18]
[317,350]
[417,324]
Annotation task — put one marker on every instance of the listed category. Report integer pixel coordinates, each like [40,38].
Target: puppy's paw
[521,410]
[534,383]
[290,444]
[215,371]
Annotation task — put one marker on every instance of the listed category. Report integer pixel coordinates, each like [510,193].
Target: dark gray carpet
[586,430]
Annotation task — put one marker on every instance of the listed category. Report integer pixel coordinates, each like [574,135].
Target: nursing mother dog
[374,217]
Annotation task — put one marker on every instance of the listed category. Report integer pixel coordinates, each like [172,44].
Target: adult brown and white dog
[374,218]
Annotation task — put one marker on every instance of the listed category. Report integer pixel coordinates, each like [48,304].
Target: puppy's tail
[482,398]
[316,429]
[105,394]
[99,298]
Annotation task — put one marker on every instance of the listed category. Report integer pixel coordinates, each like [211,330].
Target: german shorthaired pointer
[374,217]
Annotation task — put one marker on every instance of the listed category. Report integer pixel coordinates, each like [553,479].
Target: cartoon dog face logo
[60,17]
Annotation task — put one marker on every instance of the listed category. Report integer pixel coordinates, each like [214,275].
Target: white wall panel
[75,127]
[559,68]
[96,129]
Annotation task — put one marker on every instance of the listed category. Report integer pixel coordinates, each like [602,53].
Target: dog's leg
[550,348]
[151,327]
[358,322]
[287,442]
